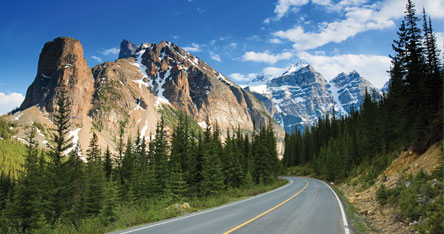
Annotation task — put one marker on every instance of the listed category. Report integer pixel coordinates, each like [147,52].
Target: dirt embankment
[384,218]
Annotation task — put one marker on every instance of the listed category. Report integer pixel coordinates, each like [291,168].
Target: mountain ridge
[301,95]
[145,83]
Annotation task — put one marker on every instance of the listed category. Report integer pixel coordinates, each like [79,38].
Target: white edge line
[206,211]
[344,218]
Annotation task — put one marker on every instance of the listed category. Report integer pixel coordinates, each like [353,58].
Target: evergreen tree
[76,175]
[95,179]
[24,210]
[108,212]
[57,180]
[160,156]
[212,175]
[108,164]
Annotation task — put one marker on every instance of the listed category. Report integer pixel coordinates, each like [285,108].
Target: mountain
[385,88]
[145,83]
[349,90]
[301,95]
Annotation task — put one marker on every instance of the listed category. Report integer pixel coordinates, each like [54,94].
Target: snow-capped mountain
[147,82]
[349,90]
[385,88]
[301,95]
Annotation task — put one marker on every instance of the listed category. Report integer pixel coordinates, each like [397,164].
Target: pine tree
[160,156]
[24,211]
[108,212]
[212,176]
[181,147]
[108,166]
[120,148]
[57,180]
[76,175]
[95,179]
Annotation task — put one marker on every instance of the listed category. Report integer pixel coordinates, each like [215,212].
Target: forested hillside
[65,193]
[409,117]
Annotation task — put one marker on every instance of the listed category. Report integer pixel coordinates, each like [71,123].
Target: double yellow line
[268,211]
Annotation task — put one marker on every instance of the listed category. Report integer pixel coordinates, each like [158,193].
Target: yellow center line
[266,212]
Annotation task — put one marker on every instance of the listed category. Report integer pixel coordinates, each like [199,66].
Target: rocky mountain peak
[299,74]
[349,89]
[127,49]
[296,67]
[61,66]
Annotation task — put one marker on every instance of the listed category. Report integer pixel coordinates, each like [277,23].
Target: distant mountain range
[301,95]
[148,81]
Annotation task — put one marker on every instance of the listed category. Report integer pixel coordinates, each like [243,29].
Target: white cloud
[231,46]
[10,101]
[266,21]
[275,41]
[241,77]
[98,59]
[215,56]
[359,17]
[193,48]
[274,71]
[212,42]
[112,51]
[357,20]
[372,67]
[284,6]
[266,57]
[254,38]
[440,41]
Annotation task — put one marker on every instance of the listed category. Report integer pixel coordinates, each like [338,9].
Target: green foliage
[174,117]
[382,195]
[418,198]
[6,129]
[306,170]
[11,156]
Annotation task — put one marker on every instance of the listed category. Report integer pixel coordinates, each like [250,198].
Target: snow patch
[75,140]
[299,100]
[203,124]
[39,132]
[225,79]
[335,94]
[143,131]
[294,68]
[18,116]
[142,68]
[261,89]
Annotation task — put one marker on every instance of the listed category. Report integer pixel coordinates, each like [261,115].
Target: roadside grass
[150,211]
[356,221]
[305,170]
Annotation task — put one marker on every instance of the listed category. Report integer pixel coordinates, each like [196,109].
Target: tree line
[54,188]
[409,116]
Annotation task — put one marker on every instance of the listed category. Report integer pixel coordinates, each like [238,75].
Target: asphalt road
[302,206]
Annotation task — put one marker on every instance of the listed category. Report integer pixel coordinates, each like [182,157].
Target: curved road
[304,205]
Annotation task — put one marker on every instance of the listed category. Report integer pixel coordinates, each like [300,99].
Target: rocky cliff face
[61,66]
[146,82]
[187,83]
[301,95]
[349,90]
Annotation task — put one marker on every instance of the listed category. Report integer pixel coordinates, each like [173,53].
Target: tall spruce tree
[24,210]
[95,179]
[160,156]
[57,180]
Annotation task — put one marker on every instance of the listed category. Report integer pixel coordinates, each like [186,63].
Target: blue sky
[238,38]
